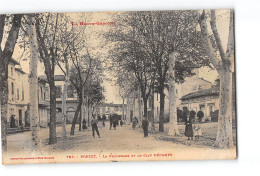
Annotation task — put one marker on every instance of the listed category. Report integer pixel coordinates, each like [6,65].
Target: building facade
[18,96]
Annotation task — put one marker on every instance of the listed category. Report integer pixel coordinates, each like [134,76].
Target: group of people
[192,130]
[114,121]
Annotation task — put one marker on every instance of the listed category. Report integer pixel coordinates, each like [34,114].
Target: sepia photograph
[118,86]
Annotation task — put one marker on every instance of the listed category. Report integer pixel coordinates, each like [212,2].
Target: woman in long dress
[188,128]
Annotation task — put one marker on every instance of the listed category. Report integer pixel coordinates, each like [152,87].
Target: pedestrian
[21,127]
[188,128]
[197,130]
[145,124]
[94,127]
[121,123]
[111,121]
[84,124]
[134,123]
[115,122]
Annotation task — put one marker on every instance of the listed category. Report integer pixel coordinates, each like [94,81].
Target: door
[20,117]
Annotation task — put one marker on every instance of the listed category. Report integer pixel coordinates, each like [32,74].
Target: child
[197,130]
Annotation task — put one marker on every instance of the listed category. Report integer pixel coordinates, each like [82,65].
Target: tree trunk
[52,125]
[4,101]
[173,129]
[223,65]
[82,111]
[64,99]
[5,55]
[123,110]
[153,121]
[161,117]
[145,107]
[75,117]
[139,107]
[133,105]
[33,85]
[80,116]
[127,109]
[224,134]
[88,115]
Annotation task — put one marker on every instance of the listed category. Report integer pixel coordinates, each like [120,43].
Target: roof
[59,77]
[111,105]
[13,61]
[20,70]
[201,93]
[42,78]
[205,80]
[56,77]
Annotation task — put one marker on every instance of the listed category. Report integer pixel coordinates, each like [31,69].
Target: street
[123,138]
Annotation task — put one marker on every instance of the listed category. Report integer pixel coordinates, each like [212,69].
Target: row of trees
[157,49]
[146,44]
[53,41]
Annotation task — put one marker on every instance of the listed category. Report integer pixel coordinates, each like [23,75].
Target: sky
[97,47]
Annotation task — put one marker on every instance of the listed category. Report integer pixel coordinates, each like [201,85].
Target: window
[17,94]
[41,94]
[150,102]
[210,109]
[22,94]
[12,88]
[12,71]
[116,108]
[58,92]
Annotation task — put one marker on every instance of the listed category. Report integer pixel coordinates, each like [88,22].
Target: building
[71,101]
[191,84]
[206,100]
[18,96]
[43,102]
[110,108]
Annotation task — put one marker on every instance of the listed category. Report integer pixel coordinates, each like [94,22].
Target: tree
[173,130]
[68,36]
[222,62]
[33,83]
[85,69]
[155,35]
[47,31]
[8,40]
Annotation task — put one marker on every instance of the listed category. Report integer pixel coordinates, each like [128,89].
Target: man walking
[111,121]
[145,125]
[94,127]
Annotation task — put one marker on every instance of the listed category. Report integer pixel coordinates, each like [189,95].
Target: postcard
[118,86]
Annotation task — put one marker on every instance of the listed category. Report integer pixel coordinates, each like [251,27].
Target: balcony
[44,103]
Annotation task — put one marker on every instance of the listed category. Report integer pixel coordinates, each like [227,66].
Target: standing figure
[134,123]
[121,123]
[111,121]
[188,128]
[197,130]
[145,125]
[94,127]
[115,122]
[21,127]
[84,124]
